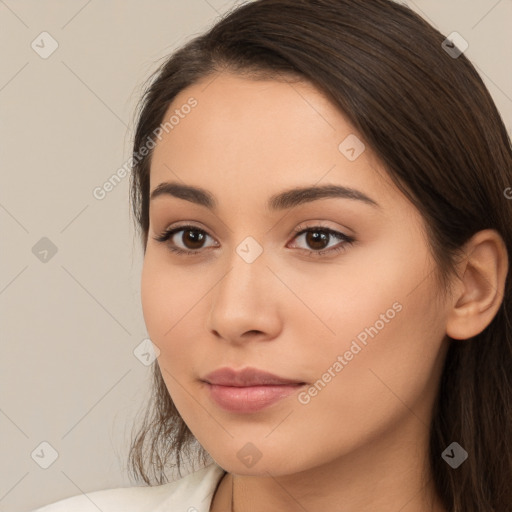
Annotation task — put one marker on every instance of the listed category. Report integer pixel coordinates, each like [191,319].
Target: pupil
[312,239]
[197,239]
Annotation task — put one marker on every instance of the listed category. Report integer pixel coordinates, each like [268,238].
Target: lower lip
[250,398]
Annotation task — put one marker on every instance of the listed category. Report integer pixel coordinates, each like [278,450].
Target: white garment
[191,493]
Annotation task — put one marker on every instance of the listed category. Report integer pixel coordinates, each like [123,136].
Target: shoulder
[194,492]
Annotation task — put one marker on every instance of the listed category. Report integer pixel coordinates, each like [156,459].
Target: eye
[317,237]
[194,239]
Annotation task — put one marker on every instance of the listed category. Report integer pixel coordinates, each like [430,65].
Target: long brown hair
[433,124]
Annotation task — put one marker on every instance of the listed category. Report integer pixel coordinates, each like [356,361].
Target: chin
[276,464]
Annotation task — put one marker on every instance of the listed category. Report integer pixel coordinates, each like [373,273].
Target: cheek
[172,302]
[390,359]
[385,325]
[154,298]
[168,296]
[164,302]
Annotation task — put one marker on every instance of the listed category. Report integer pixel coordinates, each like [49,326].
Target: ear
[480,287]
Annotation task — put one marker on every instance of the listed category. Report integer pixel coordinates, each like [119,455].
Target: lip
[248,390]
[247,377]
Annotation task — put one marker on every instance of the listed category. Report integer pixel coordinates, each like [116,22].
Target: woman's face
[359,324]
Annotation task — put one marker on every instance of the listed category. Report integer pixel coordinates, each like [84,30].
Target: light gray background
[69,326]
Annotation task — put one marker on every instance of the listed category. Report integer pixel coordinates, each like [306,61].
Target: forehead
[249,134]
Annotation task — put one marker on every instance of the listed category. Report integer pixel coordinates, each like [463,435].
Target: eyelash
[169,233]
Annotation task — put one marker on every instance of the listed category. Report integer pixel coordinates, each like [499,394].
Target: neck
[383,475]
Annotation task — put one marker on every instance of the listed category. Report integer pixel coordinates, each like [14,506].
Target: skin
[360,444]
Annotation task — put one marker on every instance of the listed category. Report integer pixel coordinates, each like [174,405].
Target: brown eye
[192,239]
[317,239]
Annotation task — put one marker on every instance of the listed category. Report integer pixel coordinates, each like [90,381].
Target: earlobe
[481,285]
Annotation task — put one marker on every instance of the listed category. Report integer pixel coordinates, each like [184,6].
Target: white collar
[193,492]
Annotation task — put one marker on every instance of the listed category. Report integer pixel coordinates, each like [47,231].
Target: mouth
[248,390]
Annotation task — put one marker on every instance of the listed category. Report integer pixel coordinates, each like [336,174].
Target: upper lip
[246,377]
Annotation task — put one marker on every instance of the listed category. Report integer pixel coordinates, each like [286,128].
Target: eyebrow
[281,201]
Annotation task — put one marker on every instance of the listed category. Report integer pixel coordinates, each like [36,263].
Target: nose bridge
[246,269]
[243,299]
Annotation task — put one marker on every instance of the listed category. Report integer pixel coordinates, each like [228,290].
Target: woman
[323,196]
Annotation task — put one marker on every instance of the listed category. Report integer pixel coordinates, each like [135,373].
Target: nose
[245,302]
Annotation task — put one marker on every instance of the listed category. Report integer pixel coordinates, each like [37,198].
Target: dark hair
[434,126]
